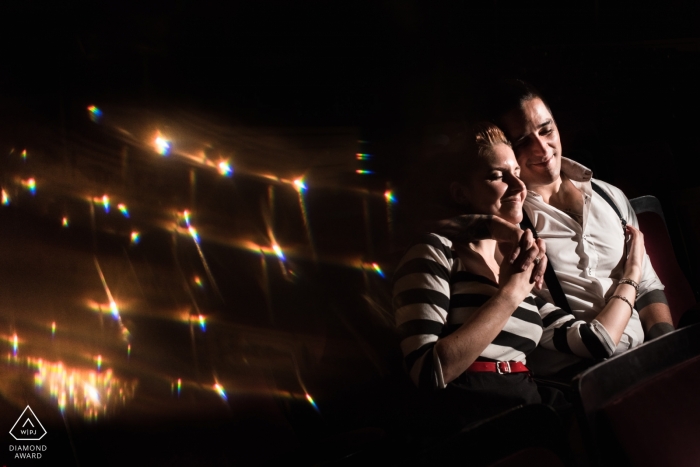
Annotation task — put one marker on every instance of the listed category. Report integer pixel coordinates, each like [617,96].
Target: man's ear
[458,194]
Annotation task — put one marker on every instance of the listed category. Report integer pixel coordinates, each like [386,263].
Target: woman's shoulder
[432,244]
[429,253]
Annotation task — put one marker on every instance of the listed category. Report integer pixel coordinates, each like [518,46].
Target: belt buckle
[506,368]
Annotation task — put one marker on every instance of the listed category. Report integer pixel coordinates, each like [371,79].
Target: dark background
[621,78]
[621,75]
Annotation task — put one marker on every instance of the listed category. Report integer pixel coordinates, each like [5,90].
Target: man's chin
[543,178]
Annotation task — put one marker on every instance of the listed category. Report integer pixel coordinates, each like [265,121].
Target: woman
[467,318]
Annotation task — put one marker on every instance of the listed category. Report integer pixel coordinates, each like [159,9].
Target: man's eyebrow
[544,124]
[518,140]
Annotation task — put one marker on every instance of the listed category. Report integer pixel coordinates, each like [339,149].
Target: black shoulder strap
[609,200]
[550,277]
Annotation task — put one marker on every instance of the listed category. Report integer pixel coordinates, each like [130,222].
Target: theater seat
[657,240]
[641,408]
[530,435]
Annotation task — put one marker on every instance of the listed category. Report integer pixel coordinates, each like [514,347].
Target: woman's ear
[458,193]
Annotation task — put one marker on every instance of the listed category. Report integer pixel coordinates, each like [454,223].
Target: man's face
[536,144]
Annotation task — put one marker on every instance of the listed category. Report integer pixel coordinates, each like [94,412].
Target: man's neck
[550,190]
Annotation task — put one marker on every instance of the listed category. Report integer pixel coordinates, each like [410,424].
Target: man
[583,233]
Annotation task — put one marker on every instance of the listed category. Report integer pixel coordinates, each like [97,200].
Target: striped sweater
[434,294]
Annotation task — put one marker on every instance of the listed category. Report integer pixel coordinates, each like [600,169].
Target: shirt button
[585,237]
[590,272]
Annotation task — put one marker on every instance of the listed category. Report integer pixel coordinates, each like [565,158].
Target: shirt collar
[572,169]
[575,171]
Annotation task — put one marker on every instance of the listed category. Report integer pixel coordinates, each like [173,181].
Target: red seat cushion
[660,250]
[657,423]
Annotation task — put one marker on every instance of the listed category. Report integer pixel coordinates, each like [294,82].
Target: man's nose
[539,146]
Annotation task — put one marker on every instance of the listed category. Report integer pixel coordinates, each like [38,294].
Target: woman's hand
[635,258]
[518,281]
[512,240]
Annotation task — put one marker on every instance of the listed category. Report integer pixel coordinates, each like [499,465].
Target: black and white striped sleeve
[564,333]
[421,300]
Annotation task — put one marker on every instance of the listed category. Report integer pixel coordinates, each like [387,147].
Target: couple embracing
[475,313]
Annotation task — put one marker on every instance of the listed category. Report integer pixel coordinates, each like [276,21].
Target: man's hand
[517,246]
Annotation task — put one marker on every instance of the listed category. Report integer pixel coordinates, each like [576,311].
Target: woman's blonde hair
[425,194]
[486,136]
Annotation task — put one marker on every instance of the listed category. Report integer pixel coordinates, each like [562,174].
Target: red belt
[498,367]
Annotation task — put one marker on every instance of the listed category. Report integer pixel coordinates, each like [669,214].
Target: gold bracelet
[632,283]
[624,300]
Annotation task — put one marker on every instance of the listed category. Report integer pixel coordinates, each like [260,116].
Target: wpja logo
[28,428]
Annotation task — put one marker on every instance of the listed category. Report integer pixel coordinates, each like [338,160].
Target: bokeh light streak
[300,185]
[162,146]
[105,202]
[87,392]
[379,271]
[221,391]
[135,237]
[179,386]
[305,217]
[363,172]
[30,184]
[53,329]
[193,234]
[114,309]
[278,251]
[95,113]
[15,345]
[98,362]
[362,157]
[225,168]
[390,201]
[198,282]
[311,401]
[122,208]
[187,217]
[24,155]
[5,198]
[202,322]
[64,222]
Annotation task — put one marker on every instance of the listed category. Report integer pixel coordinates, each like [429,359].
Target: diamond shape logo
[28,427]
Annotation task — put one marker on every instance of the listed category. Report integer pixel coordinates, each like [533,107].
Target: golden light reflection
[162,145]
[29,184]
[88,393]
[220,391]
[224,168]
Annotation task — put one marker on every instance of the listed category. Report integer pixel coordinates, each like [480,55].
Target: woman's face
[494,186]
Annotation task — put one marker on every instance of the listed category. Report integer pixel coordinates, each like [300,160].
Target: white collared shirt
[588,258]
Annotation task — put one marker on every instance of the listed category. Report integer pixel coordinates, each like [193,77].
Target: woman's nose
[515,184]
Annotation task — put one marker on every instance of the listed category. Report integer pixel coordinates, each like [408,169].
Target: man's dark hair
[506,95]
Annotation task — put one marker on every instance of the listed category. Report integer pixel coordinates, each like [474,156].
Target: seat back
[641,407]
[659,247]
[530,435]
